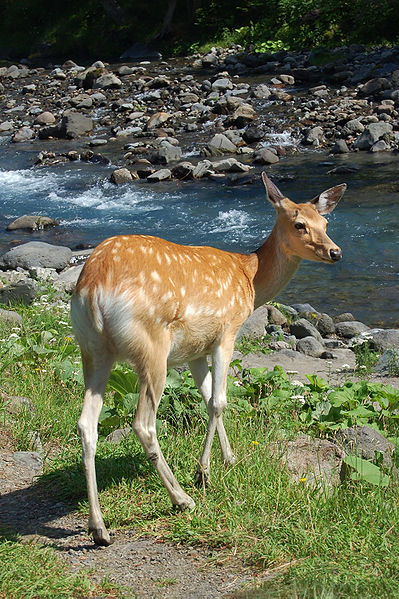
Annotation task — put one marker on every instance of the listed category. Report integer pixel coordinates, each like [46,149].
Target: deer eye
[300,226]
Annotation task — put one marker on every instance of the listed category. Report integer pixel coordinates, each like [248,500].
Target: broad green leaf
[365,470]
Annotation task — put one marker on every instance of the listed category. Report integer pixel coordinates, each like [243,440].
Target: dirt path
[147,568]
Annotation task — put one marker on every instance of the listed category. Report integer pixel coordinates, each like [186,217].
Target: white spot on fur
[155,276]
[183,291]
[166,296]
[168,260]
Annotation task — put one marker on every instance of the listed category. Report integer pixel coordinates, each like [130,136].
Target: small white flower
[299,398]
[298,383]
[345,366]
[13,336]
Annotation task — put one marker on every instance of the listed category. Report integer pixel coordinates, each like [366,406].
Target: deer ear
[327,200]
[273,193]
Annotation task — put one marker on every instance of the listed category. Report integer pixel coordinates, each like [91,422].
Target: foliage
[366,357]
[92,29]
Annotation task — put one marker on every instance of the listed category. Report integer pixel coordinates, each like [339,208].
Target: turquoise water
[365,224]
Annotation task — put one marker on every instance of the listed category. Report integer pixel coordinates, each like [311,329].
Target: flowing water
[365,224]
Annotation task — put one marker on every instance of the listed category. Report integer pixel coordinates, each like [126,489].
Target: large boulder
[37,253]
[372,134]
[22,292]
[32,222]
[73,125]
[385,339]
[166,153]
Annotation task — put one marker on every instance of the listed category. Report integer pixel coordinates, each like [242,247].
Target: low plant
[366,356]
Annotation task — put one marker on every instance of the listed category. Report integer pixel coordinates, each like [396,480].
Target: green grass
[29,571]
[317,544]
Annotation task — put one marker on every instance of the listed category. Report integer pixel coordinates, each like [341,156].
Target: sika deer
[156,304]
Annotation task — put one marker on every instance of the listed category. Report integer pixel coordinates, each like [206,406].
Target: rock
[303,328]
[209,60]
[43,274]
[261,92]
[374,85]
[252,134]
[118,435]
[344,317]
[312,462]
[32,223]
[255,325]
[23,134]
[157,119]
[22,292]
[6,126]
[222,84]
[274,316]
[37,253]
[30,460]
[68,278]
[10,317]
[388,363]
[166,153]
[385,339]
[107,81]
[222,144]
[310,347]
[73,125]
[120,176]
[265,156]
[184,170]
[339,147]
[45,118]
[230,165]
[365,442]
[350,329]
[301,308]
[202,169]
[372,134]
[314,136]
[243,115]
[323,322]
[15,404]
[160,175]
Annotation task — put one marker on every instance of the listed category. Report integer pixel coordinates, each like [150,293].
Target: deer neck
[275,268]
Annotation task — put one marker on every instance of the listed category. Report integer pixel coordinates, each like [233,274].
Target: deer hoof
[201,478]
[186,504]
[101,537]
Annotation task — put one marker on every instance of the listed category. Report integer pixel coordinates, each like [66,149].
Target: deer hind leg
[220,363]
[151,389]
[96,373]
[203,380]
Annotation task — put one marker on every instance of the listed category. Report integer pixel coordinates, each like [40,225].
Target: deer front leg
[203,380]
[221,357]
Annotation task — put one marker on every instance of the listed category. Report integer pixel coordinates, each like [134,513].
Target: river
[365,224]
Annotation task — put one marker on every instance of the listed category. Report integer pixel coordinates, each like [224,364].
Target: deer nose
[336,254]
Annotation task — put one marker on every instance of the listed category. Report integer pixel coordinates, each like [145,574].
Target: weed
[366,357]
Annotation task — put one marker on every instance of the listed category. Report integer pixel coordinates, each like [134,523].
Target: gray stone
[374,85]
[372,133]
[323,322]
[43,274]
[365,442]
[184,170]
[107,81]
[265,156]
[68,278]
[380,146]
[37,253]
[157,119]
[73,125]
[11,317]
[261,92]
[388,363]
[45,118]
[311,462]
[202,169]
[350,329]
[118,435]
[222,84]
[23,134]
[22,292]
[243,115]
[274,316]
[230,165]
[385,339]
[222,144]
[303,328]
[255,325]
[32,223]
[340,147]
[166,153]
[6,126]
[31,460]
[120,176]
[162,175]
[314,136]
[310,347]
[15,405]
[301,308]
